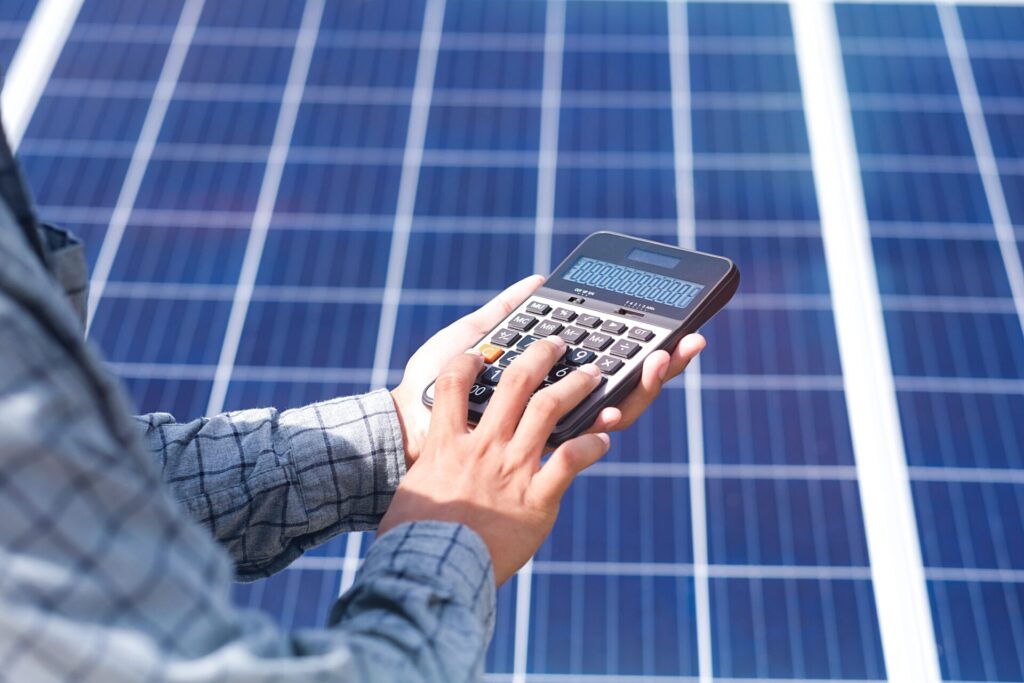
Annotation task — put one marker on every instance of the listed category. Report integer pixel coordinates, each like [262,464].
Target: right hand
[490,478]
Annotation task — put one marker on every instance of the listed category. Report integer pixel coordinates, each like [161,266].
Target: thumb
[572,457]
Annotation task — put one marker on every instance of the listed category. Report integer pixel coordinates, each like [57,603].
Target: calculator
[614,300]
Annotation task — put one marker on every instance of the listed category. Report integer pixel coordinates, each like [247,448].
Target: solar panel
[443,148]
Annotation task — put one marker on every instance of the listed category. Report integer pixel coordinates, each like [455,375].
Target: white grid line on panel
[982,143]
[682,136]
[547,160]
[408,185]
[33,62]
[161,99]
[904,614]
[305,42]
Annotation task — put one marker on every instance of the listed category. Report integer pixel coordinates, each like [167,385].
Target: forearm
[270,484]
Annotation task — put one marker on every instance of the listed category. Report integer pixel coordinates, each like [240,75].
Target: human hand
[490,478]
[450,342]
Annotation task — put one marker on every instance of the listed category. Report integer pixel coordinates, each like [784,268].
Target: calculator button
[613,327]
[490,352]
[479,393]
[525,342]
[573,335]
[505,338]
[522,322]
[587,320]
[640,334]
[625,348]
[507,359]
[580,357]
[538,307]
[608,365]
[491,375]
[547,328]
[559,372]
[597,341]
[566,315]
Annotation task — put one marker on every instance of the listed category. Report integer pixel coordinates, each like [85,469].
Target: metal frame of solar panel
[281,200]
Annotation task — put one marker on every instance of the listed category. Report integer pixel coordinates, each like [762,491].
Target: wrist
[408,446]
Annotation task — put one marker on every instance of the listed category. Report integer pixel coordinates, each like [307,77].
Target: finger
[518,383]
[498,308]
[607,420]
[548,406]
[572,457]
[451,392]
[652,379]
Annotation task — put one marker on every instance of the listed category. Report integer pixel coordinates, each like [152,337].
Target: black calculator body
[614,300]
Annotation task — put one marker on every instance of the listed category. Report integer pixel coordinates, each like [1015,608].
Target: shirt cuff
[349,458]
[449,556]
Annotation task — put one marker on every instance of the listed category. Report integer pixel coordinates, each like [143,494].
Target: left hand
[426,363]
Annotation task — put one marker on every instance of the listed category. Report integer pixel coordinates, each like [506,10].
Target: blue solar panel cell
[455,261]
[938,198]
[596,192]
[745,195]
[418,322]
[298,257]
[501,653]
[723,130]
[979,629]
[612,625]
[623,519]
[898,74]
[235,14]
[1006,131]
[357,67]
[773,265]
[495,16]
[489,69]
[926,133]
[110,59]
[830,630]
[648,441]
[776,427]
[180,254]
[891,21]
[785,522]
[338,188]
[744,72]
[86,118]
[74,181]
[934,267]
[200,185]
[284,394]
[955,344]
[185,399]
[302,596]
[351,125]
[333,335]
[1013,190]
[935,435]
[178,331]
[604,129]
[739,19]
[1001,76]
[17,10]
[787,342]
[992,23]
[481,191]
[977,525]
[236,65]
[130,12]
[609,71]
[476,127]
[616,17]
[224,122]
[395,15]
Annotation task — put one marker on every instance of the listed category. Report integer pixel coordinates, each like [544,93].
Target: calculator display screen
[632,282]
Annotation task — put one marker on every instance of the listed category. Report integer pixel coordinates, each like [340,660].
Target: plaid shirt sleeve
[268,484]
[104,577]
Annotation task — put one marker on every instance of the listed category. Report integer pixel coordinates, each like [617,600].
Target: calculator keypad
[589,339]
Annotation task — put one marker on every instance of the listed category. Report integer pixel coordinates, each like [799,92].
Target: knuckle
[449,381]
[546,402]
[516,378]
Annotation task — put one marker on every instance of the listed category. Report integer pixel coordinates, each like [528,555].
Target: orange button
[490,352]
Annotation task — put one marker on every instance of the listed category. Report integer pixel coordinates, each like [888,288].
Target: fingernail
[590,369]
[556,341]
[607,440]
[474,352]
[663,372]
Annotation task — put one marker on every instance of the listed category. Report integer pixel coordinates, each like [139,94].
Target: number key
[522,322]
[479,393]
[559,372]
[491,375]
[580,357]
[525,342]
[507,359]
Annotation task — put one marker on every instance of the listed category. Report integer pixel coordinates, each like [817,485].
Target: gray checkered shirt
[120,536]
